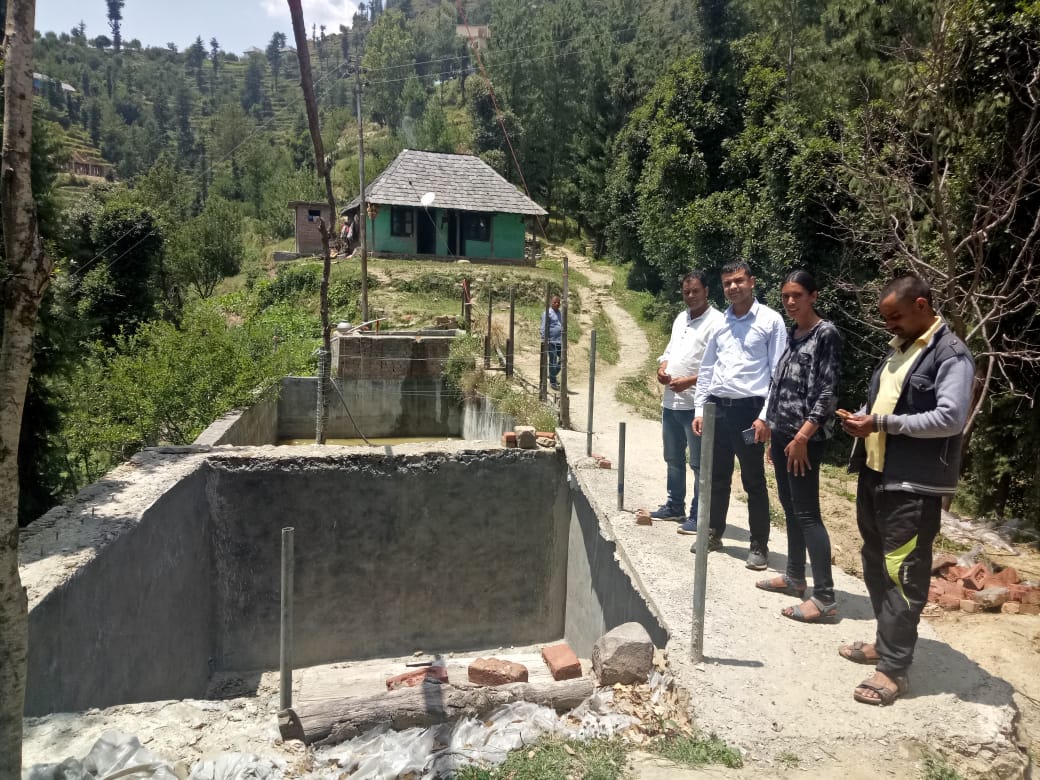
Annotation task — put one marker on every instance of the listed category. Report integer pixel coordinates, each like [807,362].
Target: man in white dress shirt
[735,374]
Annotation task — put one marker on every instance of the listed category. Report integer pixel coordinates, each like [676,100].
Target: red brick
[954,573]
[941,562]
[562,661]
[967,605]
[975,578]
[604,463]
[509,439]
[1010,607]
[417,677]
[494,671]
[1016,592]
[940,587]
[545,435]
[1029,609]
[949,602]
[1005,577]
[1031,596]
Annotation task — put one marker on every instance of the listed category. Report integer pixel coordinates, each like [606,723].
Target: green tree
[390,60]
[115,20]
[274,57]
[209,248]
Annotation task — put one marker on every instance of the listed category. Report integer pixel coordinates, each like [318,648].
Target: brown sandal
[886,694]
[859,653]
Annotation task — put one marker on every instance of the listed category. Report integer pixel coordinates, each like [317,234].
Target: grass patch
[788,759]
[607,347]
[937,768]
[636,392]
[697,750]
[554,759]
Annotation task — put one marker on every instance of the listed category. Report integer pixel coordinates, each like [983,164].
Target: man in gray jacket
[907,453]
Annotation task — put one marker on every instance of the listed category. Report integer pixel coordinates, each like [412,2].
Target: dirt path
[777,688]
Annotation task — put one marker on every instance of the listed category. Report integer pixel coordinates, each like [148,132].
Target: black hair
[736,267]
[697,274]
[907,287]
[803,278]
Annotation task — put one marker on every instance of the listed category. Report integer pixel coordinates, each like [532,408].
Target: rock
[525,438]
[643,517]
[990,598]
[1010,607]
[623,655]
[546,442]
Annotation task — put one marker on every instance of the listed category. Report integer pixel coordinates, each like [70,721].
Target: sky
[236,24]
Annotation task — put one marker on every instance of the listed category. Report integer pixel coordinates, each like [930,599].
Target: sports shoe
[758,557]
[689,528]
[665,512]
[714,543]
[554,385]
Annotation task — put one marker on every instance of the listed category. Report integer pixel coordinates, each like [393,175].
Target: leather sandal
[824,611]
[857,653]
[886,694]
[782,584]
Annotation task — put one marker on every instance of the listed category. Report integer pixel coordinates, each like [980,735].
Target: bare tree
[944,175]
[26,273]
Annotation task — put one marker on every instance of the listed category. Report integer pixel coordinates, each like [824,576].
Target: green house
[446,205]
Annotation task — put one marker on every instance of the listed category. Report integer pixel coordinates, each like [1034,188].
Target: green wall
[508,231]
[507,236]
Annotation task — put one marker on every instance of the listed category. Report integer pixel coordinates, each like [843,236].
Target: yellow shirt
[893,375]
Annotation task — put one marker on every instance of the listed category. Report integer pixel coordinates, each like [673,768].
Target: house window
[402,220]
[313,215]
[477,227]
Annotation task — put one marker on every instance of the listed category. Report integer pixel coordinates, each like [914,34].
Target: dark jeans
[555,350]
[800,498]
[678,437]
[898,529]
[730,420]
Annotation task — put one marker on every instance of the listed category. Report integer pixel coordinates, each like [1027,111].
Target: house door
[426,238]
[453,233]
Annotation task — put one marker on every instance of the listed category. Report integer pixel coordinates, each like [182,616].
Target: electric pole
[362,210]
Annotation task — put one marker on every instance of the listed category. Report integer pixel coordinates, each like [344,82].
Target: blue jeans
[678,436]
[554,362]
[800,498]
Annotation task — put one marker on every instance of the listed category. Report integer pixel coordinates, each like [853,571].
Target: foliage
[555,759]
[209,247]
[698,750]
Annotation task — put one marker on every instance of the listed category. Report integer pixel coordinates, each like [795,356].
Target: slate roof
[458,181]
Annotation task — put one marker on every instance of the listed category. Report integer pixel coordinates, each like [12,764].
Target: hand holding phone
[844,414]
[748,435]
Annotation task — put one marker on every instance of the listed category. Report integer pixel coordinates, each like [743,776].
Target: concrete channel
[165,573]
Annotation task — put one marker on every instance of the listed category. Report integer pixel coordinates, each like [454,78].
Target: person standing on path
[735,373]
[800,415]
[677,370]
[908,453]
[553,320]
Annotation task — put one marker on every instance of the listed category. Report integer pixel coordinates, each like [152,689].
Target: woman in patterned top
[800,414]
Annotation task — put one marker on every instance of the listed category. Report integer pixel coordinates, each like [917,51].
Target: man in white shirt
[735,374]
[677,370]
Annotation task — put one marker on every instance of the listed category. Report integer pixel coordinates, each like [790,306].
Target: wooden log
[331,721]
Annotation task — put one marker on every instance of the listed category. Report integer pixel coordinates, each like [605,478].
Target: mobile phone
[843,414]
[748,435]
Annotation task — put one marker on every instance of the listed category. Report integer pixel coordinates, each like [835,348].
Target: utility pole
[362,210]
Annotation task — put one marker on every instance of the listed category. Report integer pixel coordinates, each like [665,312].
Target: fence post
[286,646]
[700,565]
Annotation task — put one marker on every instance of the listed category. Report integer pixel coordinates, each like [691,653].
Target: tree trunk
[24,281]
[330,721]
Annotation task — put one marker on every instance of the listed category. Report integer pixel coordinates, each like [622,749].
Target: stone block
[495,671]
[967,605]
[1010,607]
[623,655]
[436,674]
[525,438]
[562,661]
[990,598]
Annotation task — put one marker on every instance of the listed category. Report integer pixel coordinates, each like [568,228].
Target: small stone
[990,598]
[1010,607]
[525,437]
[967,605]
[623,655]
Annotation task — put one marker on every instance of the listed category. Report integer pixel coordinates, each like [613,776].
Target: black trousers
[898,529]
[732,417]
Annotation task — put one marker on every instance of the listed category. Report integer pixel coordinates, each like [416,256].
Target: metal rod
[592,390]
[362,206]
[286,651]
[700,562]
[512,331]
[487,335]
[565,403]
[543,368]
[621,466]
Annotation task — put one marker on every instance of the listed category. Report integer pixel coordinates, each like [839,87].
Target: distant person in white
[735,373]
[677,370]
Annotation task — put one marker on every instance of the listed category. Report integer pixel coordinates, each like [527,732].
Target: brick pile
[978,588]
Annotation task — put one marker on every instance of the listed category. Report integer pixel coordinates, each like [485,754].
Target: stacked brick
[978,588]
